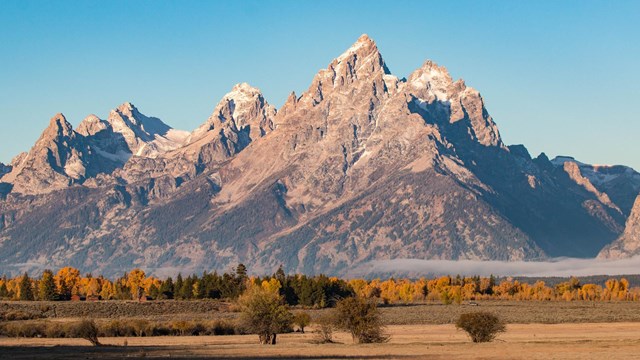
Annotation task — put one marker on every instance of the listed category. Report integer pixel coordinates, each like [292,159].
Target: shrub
[181,327]
[117,328]
[86,329]
[55,330]
[141,327]
[481,326]
[24,329]
[302,319]
[361,318]
[222,328]
[326,327]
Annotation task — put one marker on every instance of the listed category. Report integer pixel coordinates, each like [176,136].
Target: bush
[361,318]
[24,329]
[55,331]
[86,329]
[117,328]
[326,327]
[222,328]
[141,327]
[481,326]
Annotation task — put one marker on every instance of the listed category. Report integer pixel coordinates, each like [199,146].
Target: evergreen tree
[241,271]
[166,289]
[154,292]
[280,275]
[186,291]
[26,289]
[47,286]
[177,287]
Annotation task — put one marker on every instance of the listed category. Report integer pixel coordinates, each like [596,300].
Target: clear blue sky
[559,76]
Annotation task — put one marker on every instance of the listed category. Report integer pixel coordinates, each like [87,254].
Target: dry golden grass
[536,330]
[521,341]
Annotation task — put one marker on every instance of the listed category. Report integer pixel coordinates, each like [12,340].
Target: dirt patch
[521,341]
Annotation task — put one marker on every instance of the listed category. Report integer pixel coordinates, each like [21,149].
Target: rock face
[362,166]
[628,244]
[4,169]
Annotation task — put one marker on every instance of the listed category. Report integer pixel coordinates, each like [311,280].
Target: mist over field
[553,267]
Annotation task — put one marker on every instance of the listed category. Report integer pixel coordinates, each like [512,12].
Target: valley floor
[521,341]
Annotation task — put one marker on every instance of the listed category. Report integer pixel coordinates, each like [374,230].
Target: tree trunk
[273,339]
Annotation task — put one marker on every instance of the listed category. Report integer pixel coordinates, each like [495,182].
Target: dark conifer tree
[26,288]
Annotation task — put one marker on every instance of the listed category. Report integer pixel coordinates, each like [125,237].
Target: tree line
[308,291]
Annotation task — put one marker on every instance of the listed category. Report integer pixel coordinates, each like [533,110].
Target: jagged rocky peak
[242,109]
[628,244]
[431,82]
[289,105]
[126,120]
[359,72]
[145,136]
[91,125]
[58,127]
[363,57]
[58,159]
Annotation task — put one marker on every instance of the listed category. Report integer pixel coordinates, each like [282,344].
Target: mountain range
[361,166]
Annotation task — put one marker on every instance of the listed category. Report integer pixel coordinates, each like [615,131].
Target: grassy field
[536,330]
[521,341]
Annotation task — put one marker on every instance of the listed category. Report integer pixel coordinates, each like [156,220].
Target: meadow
[535,330]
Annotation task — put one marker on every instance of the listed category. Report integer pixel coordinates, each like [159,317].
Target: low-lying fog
[554,267]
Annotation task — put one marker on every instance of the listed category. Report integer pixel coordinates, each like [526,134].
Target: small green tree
[302,319]
[47,286]
[264,313]
[26,288]
[481,326]
[362,319]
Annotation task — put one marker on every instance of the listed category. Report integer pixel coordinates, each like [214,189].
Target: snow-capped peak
[244,106]
[435,79]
